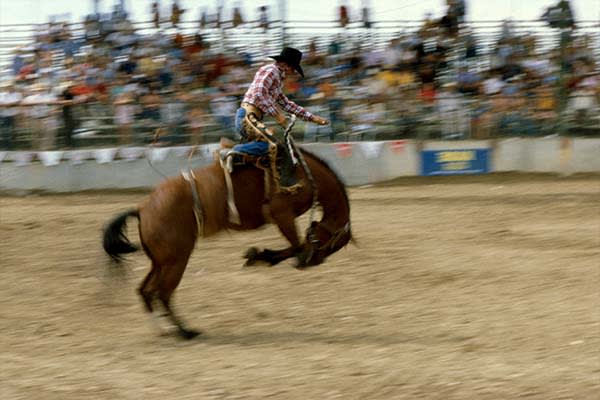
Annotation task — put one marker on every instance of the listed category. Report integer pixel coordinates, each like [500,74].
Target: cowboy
[265,97]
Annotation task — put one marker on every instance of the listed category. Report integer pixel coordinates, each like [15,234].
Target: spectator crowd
[109,83]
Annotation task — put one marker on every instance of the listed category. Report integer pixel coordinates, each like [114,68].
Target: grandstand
[395,110]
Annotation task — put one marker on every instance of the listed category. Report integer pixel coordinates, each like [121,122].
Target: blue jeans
[252,148]
[239,119]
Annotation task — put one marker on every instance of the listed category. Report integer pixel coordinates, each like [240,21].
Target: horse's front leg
[271,257]
[285,220]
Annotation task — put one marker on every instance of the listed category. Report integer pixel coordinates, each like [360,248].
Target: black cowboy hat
[292,57]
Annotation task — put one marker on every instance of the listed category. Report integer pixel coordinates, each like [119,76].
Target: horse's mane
[324,164]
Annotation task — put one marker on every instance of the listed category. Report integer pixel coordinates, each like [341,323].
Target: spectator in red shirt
[344,18]
[428,93]
[81,88]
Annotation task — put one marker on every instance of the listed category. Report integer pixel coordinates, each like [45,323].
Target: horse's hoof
[251,256]
[302,258]
[303,264]
[187,334]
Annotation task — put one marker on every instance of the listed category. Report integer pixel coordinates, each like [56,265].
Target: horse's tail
[114,240]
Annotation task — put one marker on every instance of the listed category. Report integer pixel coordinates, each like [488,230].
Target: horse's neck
[331,193]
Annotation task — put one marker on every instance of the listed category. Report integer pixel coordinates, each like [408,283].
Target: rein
[294,150]
[310,232]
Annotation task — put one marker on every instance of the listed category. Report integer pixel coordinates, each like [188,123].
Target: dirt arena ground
[468,288]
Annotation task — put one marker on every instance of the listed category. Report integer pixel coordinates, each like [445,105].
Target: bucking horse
[236,194]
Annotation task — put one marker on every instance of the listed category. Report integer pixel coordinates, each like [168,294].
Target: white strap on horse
[227,166]
[197,206]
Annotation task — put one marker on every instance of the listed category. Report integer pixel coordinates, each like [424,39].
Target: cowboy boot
[286,171]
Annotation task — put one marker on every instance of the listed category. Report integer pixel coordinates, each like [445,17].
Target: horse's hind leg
[148,290]
[170,278]
[169,254]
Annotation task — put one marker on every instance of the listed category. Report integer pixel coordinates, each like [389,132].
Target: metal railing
[96,124]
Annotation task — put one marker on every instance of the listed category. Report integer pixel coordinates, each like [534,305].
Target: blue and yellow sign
[455,162]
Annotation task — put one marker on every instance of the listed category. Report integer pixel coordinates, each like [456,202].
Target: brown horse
[180,210]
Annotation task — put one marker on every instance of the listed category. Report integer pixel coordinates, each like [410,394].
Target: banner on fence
[49,158]
[343,150]
[104,156]
[397,146]
[455,161]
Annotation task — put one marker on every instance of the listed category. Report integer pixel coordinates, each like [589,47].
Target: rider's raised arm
[293,108]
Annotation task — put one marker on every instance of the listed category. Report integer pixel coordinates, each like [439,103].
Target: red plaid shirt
[265,92]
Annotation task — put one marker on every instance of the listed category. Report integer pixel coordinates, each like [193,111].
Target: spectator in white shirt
[453,111]
[583,98]
[124,115]
[9,99]
[43,116]
[492,85]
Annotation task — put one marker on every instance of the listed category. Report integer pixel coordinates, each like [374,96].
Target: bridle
[335,236]
[310,233]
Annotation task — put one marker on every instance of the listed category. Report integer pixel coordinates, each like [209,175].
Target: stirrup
[224,153]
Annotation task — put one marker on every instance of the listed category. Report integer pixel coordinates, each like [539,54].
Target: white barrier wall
[559,155]
[585,156]
[357,163]
[369,162]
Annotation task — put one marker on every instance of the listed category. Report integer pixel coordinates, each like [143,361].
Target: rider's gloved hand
[320,121]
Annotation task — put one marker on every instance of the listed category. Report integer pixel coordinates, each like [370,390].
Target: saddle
[278,163]
[236,158]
